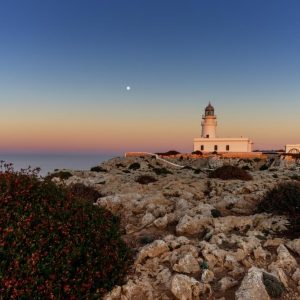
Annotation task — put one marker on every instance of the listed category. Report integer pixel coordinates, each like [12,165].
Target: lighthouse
[208,142]
[209,122]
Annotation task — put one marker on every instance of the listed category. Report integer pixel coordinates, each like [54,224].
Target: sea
[50,162]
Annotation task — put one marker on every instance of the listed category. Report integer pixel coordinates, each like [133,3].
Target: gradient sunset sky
[65,65]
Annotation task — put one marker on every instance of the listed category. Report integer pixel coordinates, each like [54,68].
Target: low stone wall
[137,154]
[204,155]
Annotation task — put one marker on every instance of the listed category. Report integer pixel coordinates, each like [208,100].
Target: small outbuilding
[292,148]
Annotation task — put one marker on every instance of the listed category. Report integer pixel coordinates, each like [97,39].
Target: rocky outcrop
[196,237]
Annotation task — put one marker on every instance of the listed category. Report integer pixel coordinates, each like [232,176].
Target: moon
[128,88]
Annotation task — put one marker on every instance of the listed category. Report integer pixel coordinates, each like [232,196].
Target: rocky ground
[196,237]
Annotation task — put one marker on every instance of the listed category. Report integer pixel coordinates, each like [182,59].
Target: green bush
[230,172]
[54,245]
[282,199]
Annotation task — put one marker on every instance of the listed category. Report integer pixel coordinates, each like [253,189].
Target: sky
[65,66]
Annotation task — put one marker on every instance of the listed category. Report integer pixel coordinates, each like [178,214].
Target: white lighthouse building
[209,142]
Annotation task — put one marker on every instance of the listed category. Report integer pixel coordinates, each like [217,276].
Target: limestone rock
[294,245]
[192,225]
[154,249]
[285,260]
[164,276]
[161,222]
[226,283]
[296,275]
[147,219]
[115,294]
[137,290]
[252,286]
[187,264]
[207,276]
[184,287]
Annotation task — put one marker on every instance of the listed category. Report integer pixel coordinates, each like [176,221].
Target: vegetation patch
[81,191]
[168,153]
[145,179]
[134,166]
[230,172]
[215,213]
[147,239]
[264,167]
[197,152]
[161,171]
[63,175]
[98,169]
[55,244]
[273,286]
[282,199]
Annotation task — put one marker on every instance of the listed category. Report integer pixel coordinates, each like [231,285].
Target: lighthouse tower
[209,123]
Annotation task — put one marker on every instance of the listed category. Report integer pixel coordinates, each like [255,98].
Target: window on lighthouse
[207,135]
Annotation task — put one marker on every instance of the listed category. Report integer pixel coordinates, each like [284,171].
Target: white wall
[292,148]
[235,145]
[209,125]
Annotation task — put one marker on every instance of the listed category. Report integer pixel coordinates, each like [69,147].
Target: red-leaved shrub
[54,245]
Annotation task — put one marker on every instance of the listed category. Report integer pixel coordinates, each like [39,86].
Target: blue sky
[64,66]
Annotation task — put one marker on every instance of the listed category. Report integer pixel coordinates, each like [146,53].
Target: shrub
[198,152]
[54,245]
[273,286]
[145,179]
[147,239]
[295,177]
[230,172]
[247,168]
[282,199]
[82,191]
[161,171]
[215,213]
[63,175]
[134,166]
[264,167]
[169,153]
[98,169]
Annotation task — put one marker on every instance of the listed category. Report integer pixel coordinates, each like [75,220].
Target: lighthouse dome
[209,110]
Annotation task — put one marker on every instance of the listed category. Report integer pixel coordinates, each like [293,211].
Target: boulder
[294,245]
[296,275]
[284,260]
[154,249]
[187,264]
[252,286]
[207,276]
[192,225]
[226,283]
[184,287]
